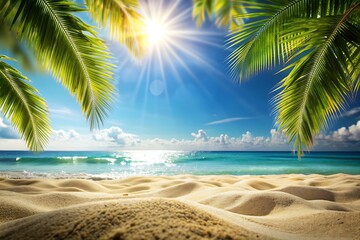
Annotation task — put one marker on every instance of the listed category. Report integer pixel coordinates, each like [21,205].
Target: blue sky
[192,105]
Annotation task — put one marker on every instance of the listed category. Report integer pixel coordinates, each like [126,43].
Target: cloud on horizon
[62,135]
[115,135]
[200,136]
[115,138]
[345,138]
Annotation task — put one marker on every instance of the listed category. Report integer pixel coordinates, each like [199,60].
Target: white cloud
[276,141]
[7,131]
[354,131]
[2,124]
[200,136]
[343,134]
[351,112]
[345,138]
[116,135]
[247,138]
[174,141]
[223,139]
[64,113]
[62,135]
[61,111]
[227,120]
[278,137]
[115,138]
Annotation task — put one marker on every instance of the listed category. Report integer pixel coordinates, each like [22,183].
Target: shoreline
[103,177]
[286,206]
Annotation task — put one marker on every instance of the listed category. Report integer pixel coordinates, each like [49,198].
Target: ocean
[114,165]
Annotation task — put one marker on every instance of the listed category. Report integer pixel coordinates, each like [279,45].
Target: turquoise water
[130,163]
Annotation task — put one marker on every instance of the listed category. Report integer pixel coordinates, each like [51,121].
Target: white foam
[72,158]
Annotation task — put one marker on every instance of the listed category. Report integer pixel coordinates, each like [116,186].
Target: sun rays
[174,53]
[172,41]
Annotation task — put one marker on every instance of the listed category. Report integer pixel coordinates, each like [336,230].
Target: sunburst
[172,44]
[155,32]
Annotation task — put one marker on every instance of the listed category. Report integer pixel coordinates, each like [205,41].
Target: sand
[182,207]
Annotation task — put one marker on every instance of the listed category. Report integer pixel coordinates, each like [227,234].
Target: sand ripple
[182,207]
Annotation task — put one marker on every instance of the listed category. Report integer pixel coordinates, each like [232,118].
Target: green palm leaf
[312,94]
[227,12]
[68,48]
[20,103]
[8,40]
[257,44]
[126,24]
[201,8]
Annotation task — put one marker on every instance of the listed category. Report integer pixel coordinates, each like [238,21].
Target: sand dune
[182,207]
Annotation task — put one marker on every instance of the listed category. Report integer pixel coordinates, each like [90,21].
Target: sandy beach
[179,120]
[182,207]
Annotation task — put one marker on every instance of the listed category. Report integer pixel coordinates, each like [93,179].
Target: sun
[172,46]
[155,31]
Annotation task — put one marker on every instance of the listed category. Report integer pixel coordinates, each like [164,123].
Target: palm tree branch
[70,49]
[9,41]
[265,24]
[314,70]
[228,14]
[26,110]
[263,32]
[126,25]
[201,8]
[71,43]
[311,95]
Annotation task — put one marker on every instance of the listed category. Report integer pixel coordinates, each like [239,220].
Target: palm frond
[26,110]
[354,19]
[69,48]
[355,72]
[320,80]
[227,12]
[9,41]
[201,9]
[125,23]
[257,43]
